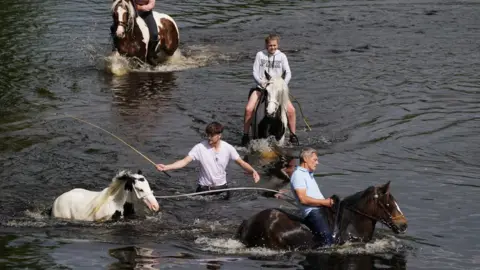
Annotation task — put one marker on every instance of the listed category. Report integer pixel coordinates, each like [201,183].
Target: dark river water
[391,90]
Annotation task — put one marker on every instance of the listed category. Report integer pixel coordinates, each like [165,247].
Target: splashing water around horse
[86,205]
[352,219]
[131,36]
[270,116]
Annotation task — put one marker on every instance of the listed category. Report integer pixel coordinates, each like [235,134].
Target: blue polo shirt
[303,179]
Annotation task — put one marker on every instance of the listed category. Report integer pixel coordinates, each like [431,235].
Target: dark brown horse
[131,35]
[352,219]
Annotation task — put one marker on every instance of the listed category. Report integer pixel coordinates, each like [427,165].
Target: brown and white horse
[131,35]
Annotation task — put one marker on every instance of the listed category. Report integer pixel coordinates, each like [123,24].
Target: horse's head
[382,206]
[138,185]
[123,13]
[277,94]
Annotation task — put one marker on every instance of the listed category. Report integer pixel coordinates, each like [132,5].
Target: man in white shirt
[214,155]
[275,63]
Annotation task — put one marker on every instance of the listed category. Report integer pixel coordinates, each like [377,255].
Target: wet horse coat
[131,34]
[352,219]
[86,205]
[270,115]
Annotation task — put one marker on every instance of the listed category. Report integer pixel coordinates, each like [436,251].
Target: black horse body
[351,219]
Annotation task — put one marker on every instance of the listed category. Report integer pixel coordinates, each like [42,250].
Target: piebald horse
[352,219]
[86,205]
[270,116]
[131,35]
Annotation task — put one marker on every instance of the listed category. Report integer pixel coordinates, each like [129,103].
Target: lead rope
[290,199]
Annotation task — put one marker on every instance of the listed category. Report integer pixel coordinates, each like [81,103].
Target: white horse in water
[86,205]
[270,117]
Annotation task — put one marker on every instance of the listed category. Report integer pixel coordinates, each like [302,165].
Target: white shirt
[213,164]
[274,64]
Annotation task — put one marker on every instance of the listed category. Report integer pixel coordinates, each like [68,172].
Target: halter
[389,223]
[138,196]
[125,24]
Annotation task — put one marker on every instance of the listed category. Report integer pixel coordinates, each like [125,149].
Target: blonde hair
[272,37]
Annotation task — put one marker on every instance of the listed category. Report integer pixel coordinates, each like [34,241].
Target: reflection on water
[354,261]
[133,257]
[142,89]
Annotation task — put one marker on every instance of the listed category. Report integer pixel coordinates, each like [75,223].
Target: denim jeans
[147,16]
[317,222]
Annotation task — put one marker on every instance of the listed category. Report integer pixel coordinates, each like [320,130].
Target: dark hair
[214,128]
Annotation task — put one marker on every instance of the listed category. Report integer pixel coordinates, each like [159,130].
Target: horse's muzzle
[402,228]
[120,33]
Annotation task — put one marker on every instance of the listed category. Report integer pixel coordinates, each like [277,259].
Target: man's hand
[330,200]
[256,177]
[161,167]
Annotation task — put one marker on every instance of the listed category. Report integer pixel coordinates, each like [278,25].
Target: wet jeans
[226,194]
[147,16]
[317,222]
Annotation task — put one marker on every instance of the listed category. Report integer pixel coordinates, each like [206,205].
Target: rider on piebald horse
[144,9]
[275,63]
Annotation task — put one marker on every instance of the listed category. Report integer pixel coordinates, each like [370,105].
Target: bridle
[141,197]
[389,222]
[265,93]
[123,23]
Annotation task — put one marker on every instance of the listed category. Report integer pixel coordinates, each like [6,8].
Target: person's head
[214,132]
[271,43]
[309,159]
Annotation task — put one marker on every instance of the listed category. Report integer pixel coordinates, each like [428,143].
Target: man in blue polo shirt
[310,198]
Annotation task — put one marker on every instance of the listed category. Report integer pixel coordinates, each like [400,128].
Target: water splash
[232,246]
[194,57]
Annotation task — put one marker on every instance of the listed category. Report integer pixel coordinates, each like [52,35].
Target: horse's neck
[352,225]
[118,199]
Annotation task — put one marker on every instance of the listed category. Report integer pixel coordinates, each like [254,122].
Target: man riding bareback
[213,155]
[275,63]
[310,198]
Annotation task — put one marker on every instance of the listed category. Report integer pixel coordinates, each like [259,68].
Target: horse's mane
[281,86]
[115,186]
[131,11]
[361,196]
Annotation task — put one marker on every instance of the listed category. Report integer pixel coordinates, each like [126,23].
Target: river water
[390,88]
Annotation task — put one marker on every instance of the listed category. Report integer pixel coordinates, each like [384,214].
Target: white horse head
[277,97]
[81,204]
[123,13]
[140,190]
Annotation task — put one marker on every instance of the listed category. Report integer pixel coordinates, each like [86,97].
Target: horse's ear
[267,76]
[385,188]
[284,74]
[139,172]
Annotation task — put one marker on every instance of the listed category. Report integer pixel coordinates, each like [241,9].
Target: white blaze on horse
[131,34]
[270,117]
[86,205]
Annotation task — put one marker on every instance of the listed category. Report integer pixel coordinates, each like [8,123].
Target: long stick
[115,136]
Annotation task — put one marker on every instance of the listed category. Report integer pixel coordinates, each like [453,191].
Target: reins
[389,223]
